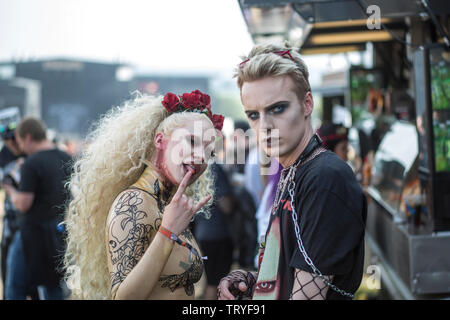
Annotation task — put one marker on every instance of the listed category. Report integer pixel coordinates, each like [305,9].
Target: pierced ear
[308,104]
[158,140]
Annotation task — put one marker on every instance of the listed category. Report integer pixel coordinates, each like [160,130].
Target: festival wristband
[174,237]
[168,234]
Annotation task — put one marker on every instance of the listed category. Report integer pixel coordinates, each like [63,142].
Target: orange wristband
[174,237]
[167,233]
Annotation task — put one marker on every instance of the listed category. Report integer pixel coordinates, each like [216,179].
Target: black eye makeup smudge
[279,108]
[252,115]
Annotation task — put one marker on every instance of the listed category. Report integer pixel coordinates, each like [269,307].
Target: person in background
[243,218]
[263,212]
[334,138]
[8,156]
[40,198]
[237,148]
[253,180]
[214,234]
[14,278]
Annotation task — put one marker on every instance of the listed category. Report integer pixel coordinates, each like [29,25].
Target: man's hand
[237,283]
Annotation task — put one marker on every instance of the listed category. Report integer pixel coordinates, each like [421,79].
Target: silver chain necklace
[289,181]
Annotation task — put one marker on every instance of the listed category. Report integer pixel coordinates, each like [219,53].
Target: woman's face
[188,147]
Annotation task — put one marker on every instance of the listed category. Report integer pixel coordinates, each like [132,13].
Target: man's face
[273,108]
[188,147]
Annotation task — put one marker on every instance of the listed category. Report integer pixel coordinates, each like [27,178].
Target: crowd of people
[34,174]
[151,204]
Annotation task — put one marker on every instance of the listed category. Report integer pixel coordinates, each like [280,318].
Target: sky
[174,36]
[156,34]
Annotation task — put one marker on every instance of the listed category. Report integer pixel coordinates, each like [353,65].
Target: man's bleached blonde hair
[118,148]
[262,62]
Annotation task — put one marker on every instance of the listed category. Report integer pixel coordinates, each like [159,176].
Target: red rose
[190,100]
[206,101]
[171,102]
[217,121]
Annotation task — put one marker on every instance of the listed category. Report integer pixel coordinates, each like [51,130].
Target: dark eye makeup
[279,108]
[275,109]
[253,115]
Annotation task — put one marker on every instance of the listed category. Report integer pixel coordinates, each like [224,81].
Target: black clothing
[220,258]
[6,156]
[44,174]
[214,234]
[332,210]
[216,227]
[245,227]
[7,159]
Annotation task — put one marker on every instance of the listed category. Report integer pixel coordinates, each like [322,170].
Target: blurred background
[83,57]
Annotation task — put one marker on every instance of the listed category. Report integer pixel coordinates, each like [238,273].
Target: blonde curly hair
[118,148]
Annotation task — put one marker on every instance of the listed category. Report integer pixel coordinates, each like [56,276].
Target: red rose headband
[279,53]
[196,101]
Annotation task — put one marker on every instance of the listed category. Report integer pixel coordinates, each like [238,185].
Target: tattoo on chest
[126,250]
[188,235]
[187,279]
[184,265]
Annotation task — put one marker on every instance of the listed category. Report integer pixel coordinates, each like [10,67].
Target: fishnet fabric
[308,286]
[235,278]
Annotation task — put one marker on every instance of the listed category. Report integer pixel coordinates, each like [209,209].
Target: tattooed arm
[137,253]
[308,286]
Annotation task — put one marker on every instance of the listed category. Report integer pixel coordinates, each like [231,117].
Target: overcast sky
[176,36]
[169,34]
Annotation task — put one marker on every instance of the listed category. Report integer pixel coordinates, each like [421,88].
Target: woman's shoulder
[137,205]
